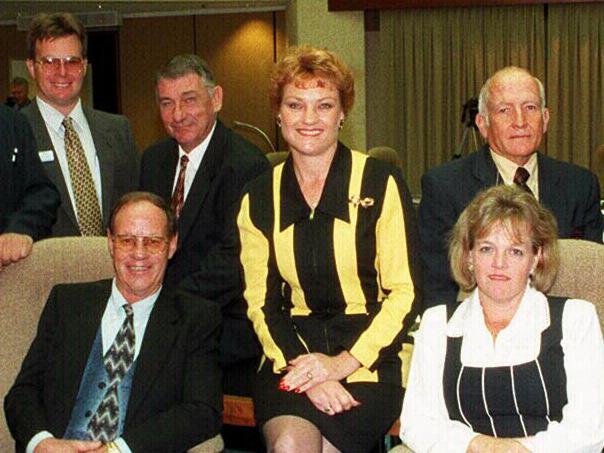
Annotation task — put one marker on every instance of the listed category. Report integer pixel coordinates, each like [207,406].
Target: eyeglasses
[151,244]
[72,65]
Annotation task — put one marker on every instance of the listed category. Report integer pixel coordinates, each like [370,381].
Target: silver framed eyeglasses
[128,243]
[72,65]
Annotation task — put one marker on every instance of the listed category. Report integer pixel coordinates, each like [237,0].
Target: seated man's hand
[331,398]
[52,445]
[14,247]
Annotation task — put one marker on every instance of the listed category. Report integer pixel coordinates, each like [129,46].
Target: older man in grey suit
[89,155]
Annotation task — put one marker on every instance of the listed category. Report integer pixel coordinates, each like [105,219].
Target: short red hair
[305,63]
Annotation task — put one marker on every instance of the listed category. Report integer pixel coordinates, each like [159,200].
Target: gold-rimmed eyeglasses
[128,243]
[72,65]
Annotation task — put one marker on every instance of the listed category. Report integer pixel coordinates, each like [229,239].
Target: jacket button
[88,414]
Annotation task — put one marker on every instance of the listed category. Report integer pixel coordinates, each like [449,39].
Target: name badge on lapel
[46,156]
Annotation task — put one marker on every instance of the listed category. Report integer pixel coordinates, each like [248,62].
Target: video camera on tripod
[468,118]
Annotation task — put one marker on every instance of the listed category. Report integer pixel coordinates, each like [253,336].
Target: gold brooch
[364,202]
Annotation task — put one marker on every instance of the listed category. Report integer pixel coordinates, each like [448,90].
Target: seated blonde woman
[508,369]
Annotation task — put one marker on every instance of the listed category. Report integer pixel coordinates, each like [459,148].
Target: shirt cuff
[122,445]
[33,443]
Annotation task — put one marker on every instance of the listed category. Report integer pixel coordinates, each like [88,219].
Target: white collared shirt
[114,316]
[507,170]
[54,124]
[195,157]
[425,422]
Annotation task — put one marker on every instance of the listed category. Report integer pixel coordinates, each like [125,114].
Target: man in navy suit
[201,170]
[513,119]
[67,396]
[28,200]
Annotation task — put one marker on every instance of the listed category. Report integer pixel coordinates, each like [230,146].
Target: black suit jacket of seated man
[175,401]
[570,192]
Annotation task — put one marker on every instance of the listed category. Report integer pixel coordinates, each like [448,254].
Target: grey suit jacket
[118,160]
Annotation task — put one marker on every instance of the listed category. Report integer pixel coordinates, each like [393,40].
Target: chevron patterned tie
[118,360]
[86,200]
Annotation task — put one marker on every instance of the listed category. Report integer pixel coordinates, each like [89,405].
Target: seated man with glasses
[121,365]
[89,155]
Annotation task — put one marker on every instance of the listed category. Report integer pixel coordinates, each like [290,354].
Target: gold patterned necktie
[178,197]
[520,177]
[87,203]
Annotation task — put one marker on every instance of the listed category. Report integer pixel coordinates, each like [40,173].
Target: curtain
[431,62]
[575,81]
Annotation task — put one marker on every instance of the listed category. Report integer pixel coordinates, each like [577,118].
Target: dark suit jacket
[175,401]
[28,200]
[207,254]
[570,192]
[118,160]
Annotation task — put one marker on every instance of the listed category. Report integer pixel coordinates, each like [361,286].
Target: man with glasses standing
[88,154]
[122,365]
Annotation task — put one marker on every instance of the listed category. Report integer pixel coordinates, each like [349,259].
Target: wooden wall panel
[240,49]
[145,45]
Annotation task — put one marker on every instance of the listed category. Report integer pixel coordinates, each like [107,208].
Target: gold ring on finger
[309,376]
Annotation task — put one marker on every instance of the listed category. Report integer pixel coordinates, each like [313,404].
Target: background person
[326,271]
[513,118]
[508,369]
[19,93]
[89,155]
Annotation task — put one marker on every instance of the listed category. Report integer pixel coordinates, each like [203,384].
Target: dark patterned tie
[178,197]
[118,360]
[520,178]
[86,200]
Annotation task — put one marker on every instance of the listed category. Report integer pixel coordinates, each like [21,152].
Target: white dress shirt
[54,124]
[195,157]
[425,422]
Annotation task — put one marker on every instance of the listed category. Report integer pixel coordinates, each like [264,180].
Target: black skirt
[355,431]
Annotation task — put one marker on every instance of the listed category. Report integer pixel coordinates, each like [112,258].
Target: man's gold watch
[112,447]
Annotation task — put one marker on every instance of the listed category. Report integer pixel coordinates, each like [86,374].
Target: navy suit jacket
[118,160]
[175,401]
[570,192]
[28,200]
[206,261]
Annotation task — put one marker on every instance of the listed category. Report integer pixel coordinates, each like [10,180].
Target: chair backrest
[581,274]
[24,288]
[386,154]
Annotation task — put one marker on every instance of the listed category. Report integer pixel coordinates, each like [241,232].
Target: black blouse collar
[334,199]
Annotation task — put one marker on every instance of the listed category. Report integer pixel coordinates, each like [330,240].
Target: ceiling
[11,10]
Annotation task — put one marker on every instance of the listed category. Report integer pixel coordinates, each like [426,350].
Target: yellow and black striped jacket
[336,278]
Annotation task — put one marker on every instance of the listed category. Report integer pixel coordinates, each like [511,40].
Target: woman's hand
[331,398]
[308,370]
[488,444]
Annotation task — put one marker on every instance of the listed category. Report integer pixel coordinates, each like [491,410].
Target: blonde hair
[515,210]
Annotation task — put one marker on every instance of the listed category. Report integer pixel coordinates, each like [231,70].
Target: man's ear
[217,98]
[545,119]
[481,123]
